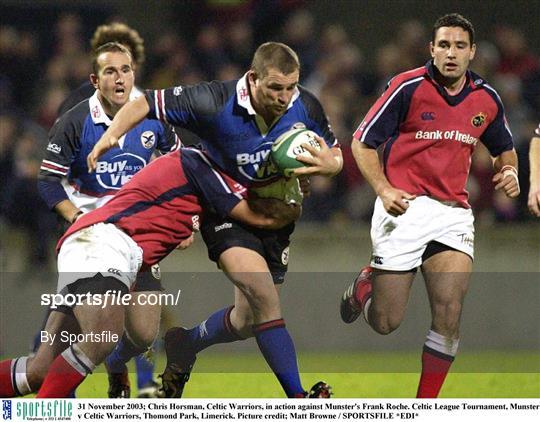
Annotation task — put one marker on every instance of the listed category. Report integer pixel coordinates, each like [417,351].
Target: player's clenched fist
[507,180]
[395,201]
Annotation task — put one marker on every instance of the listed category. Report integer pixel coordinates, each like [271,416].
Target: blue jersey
[64,173]
[221,114]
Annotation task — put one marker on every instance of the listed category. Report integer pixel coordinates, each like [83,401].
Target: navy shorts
[220,234]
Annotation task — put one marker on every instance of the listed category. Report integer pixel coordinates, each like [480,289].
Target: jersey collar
[473,82]
[244,100]
[96,109]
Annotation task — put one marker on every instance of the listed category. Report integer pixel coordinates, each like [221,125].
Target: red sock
[435,366]
[61,379]
[6,383]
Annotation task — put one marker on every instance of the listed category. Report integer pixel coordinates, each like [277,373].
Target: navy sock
[278,349]
[122,353]
[216,329]
[145,370]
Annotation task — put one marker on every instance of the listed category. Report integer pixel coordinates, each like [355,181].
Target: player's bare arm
[506,176]
[534,190]
[324,161]
[395,201]
[277,213]
[67,210]
[127,118]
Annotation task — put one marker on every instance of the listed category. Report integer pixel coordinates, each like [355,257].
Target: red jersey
[429,136]
[162,204]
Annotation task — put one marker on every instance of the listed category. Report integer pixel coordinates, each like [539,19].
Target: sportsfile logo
[52,410]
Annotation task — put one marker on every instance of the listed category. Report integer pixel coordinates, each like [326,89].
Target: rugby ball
[289,146]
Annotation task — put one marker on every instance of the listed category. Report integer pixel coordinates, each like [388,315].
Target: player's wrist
[75,216]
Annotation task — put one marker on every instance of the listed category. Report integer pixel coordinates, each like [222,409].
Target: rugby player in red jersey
[426,125]
[102,252]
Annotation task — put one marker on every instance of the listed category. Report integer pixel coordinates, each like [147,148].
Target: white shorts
[400,242]
[101,248]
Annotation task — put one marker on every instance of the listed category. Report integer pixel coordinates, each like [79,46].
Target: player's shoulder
[478,83]
[408,77]
[308,98]
[209,97]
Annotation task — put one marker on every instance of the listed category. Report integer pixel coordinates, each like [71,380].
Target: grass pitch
[360,375]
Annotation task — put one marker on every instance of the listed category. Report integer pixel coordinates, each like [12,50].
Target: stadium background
[348,51]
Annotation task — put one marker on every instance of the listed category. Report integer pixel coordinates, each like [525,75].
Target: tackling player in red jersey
[103,250]
[427,124]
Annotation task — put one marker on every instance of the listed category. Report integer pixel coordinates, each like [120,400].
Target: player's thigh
[143,315]
[390,294]
[447,275]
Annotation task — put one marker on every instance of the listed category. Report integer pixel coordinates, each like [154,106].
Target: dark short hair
[276,55]
[106,48]
[123,34]
[453,20]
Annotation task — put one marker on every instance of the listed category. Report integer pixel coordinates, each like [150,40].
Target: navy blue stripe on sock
[438,354]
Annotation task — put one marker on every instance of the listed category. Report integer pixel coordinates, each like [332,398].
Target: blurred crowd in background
[36,74]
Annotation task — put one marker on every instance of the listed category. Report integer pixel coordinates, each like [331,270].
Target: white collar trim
[96,108]
[242,93]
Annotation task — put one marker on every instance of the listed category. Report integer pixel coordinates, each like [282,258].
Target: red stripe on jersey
[394,87]
[51,166]
[161,104]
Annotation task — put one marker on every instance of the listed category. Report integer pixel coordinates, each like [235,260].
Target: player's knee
[446,317]
[144,337]
[383,323]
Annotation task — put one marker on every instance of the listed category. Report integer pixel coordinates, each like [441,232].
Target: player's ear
[253,79]
[473,52]
[94,80]
[431,47]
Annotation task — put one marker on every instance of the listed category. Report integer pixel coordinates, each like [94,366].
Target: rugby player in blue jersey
[237,122]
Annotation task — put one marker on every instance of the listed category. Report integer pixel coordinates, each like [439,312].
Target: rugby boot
[119,387]
[149,390]
[321,390]
[180,361]
[356,296]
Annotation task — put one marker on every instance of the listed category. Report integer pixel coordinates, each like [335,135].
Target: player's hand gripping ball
[289,146]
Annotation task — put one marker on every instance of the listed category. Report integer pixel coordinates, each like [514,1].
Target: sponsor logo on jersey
[285,256]
[156,271]
[428,115]
[178,90]
[479,119]
[96,112]
[478,82]
[243,94]
[439,135]
[257,165]
[54,148]
[298,125]
[195,223]
[118,170]
[222,227]
[148,139]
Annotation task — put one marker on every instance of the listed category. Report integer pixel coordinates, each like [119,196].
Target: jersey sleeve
[217,191]
[186,106]
[497,137]
[168,141]
[64,144]
[317,118]
[389,111]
